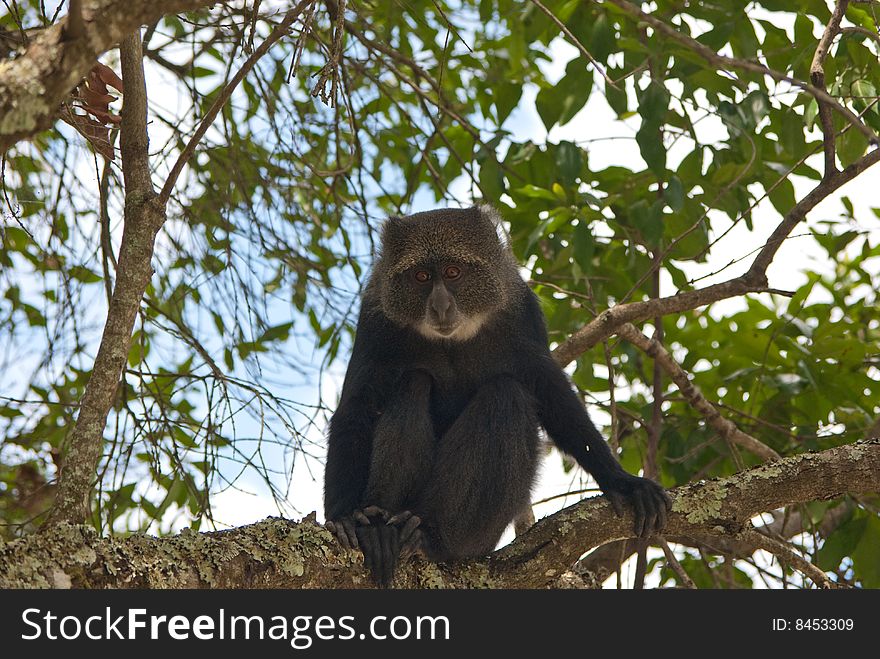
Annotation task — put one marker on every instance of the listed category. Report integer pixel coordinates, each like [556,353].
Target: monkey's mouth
[458,329]
[445,330]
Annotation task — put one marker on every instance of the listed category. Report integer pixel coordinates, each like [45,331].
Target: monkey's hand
[649,501]
[382,537]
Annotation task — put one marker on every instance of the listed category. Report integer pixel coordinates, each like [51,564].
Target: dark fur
[448,429]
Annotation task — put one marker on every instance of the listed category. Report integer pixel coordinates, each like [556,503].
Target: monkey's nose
[440,307]
[440,302]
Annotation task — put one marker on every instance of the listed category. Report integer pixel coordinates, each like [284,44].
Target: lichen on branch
[277,553]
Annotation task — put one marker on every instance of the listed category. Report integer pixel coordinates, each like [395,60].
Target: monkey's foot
[379,542]
[344,529]
[411,536]
[383,538]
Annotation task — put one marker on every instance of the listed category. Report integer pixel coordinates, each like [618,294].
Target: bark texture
[144,216]
[280,553]
[33,84]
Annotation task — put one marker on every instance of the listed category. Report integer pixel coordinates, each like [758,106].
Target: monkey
[434,445]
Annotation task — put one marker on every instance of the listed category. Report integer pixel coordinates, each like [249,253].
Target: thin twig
[817,76]
[860,30]
[724,62]
[726,428]
[783,551]
[188,151]
[575,42]
[676,566]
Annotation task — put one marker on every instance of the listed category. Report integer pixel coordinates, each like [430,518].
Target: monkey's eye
[452,272]
[422,276]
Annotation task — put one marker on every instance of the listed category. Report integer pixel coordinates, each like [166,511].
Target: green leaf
[602,38]
[83,274]
[213,264]
[841,543]
[139,349]
[782,195]
[653,103]
[616,97]
[584,246]
[674,193]
[201,72]
[561,102]
[651,147]
[864,92]
[652,107]
[491,180]
[866,561]
[648,220]
[811,112]
[568,162]
[276,333]
[851,146]
[534,192]
[507,97]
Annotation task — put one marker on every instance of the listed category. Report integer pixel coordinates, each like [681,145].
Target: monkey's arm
[565,419]
[350,440]
[379,534]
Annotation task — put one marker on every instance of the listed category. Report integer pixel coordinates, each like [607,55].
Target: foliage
[451,102]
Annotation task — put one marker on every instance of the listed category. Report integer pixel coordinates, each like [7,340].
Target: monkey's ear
[489,214]
[391,229]
[493,219]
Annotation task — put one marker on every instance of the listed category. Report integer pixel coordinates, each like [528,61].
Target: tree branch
[817,76]
[786,524]
[607,322]
[724,62]
[76,27]
[722,506]
[143,219]
[754,280]
[797,214]
[281,554]
[57,58]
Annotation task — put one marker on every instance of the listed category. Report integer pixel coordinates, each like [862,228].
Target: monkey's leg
[403,451]
[403,445]
[483,472]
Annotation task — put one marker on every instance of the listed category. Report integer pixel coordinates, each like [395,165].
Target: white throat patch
[467,329]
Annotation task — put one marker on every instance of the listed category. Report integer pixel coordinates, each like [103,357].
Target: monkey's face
[438,286]
[443,298]
[443,273]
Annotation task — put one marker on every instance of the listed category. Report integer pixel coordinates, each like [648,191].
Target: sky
[593,126]
[597,127]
